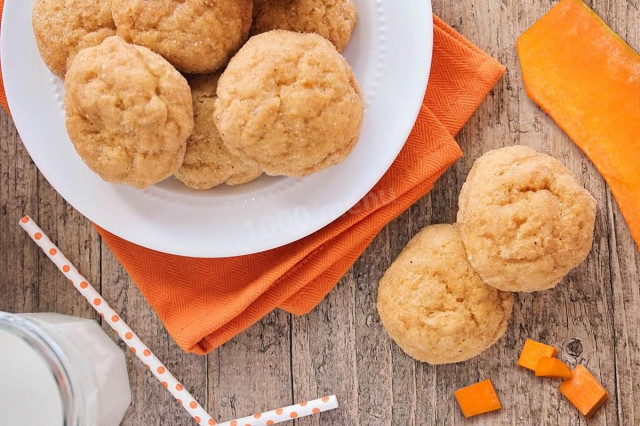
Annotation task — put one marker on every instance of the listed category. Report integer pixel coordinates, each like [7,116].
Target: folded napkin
[205,302]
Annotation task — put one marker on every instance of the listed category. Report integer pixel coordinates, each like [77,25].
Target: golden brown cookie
[332,19]
[434,305]
[289,104]
[128,112]
[64,27]
[525,220]
[207,163]
[197,37]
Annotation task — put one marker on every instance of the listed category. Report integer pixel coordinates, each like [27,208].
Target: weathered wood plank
[324,355]
[373,359]
[19,260]
[79,241]
[625,285]
[252,372]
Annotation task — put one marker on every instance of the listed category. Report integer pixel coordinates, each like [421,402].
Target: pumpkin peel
[588,80]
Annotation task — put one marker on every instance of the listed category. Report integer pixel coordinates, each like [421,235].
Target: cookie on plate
[207,163]
[524,219]
[128,112]
[64,27]
[433,304]
[197,37]
[332,19]
[289,104]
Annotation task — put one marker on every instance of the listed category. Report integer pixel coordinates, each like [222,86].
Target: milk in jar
[57,369]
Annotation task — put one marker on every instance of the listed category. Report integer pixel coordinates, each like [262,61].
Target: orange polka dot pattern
[112,318]
[150,361]
[286,414]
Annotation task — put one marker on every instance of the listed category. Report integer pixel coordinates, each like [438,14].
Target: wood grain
[340,347]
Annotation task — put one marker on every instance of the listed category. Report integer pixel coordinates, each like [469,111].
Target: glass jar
[60,370]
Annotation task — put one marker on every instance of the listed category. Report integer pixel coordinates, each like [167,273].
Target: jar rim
[55,358]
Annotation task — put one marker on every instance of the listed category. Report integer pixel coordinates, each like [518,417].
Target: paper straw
[144,354]
[280,415]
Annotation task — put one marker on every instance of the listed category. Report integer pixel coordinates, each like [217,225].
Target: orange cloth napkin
[205,302]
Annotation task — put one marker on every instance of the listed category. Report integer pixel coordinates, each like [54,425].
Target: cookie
[207,163]
[128,112]
[289,104]
[524,219]
[197,37]
[332,19]
[64,27]
[433,304]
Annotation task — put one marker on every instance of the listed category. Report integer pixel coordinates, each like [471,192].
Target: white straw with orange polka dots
[150,361]
[280,415]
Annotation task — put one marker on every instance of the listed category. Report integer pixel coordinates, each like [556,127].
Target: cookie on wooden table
[64,27]
[289,104]
[433,304]
[332,19]
[524,219]
[128,112]
[197,37]
[207,163]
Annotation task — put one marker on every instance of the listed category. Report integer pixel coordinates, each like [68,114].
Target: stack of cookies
[523,223]
[156,88]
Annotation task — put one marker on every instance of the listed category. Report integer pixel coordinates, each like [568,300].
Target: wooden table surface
[592,316]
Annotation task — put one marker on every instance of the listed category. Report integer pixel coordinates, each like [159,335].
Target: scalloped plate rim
[275,211]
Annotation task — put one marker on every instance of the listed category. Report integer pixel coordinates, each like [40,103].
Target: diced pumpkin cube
[584,391]
[478,398]
[531,353]
[552,367]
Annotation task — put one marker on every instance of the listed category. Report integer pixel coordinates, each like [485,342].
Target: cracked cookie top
[196,36]
[64,27]
[207,163]
[128,112]
[524,219]
[289,103]
[332,19]
[433,304]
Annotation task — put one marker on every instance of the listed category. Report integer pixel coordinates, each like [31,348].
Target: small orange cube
[552,367]
[584,391]
[478,398]
[531,353]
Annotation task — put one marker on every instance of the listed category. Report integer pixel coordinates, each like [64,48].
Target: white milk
[29,393]
[92,385]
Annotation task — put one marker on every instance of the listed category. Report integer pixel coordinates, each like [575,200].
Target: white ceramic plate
[391,55]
